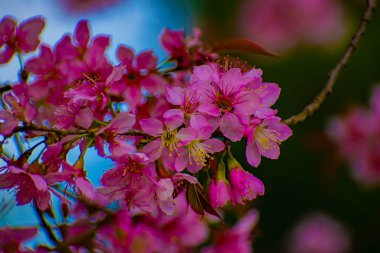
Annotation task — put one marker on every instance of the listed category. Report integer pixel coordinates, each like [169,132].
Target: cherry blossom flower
[285,25]
[11,238]
[185,50]
[29,186]
[236,239]
[140,72]
[318,233]
[263,139]
[23,38]
[226,95]
[245,186]
[197,147]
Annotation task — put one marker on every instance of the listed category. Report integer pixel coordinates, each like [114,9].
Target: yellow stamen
[198,152]
[266,138]
[170,140]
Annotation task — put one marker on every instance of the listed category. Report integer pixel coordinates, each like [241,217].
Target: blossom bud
[219,191]
[245,186]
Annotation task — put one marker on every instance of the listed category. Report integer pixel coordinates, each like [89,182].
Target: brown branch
[333,75]
[41,128]
[89,234]
[45,225]
[5,88]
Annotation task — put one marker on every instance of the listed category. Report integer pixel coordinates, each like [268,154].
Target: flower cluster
[168,130]
[357,136]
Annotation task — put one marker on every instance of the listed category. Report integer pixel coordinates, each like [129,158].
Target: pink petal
[120,148]
[153,83]
[65,49]
[39,182]
[214,145]
[125,55]
[7,29]
[122,122]
[6,55]
[43,63]
[166,206]
[198,121]
[152,126]
[249,103]
[182,160]
[28,32]
[43,200]
[270,93]
[187,134]
[175,95]
[84,118]
[231,80]
[231,127]
[9,123]
[82,33]
[146,60]
[85,188]
[271,153]
[152,149]
[173,118]
[172,40]
[252,153]
[165,189]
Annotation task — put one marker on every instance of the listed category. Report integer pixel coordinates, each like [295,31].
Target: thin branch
[332,77]
[41,128]
[5,88]
[89,234]
[45,225]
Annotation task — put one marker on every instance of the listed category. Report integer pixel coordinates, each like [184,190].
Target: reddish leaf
[198,202]
[242,44]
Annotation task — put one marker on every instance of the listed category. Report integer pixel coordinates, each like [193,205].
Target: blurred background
[311,187]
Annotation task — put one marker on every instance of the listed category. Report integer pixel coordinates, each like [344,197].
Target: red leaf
[242,44]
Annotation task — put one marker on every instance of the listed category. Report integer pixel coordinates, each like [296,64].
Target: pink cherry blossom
[284,25]
[226,95]
[11,238]
[29,186]
[244,185]
[263,139]
[318,233]
[23,38]
[197,147]
[185,50]
[238,238]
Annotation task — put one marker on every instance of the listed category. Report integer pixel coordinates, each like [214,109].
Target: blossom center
[224,102]
[170,140]
[198,152]
[266,138]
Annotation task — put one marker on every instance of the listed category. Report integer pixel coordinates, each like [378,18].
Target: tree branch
[45,225]
[41,128]
[333,75]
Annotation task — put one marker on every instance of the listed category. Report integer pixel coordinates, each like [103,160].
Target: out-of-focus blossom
[238,238]
[23,38]
[318,233]
[84,6]
[282,25]
[357,136]
[11,238]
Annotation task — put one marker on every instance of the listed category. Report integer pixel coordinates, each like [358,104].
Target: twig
[5,88]
[41,128]
[89,234]
[332,77]
[45,225]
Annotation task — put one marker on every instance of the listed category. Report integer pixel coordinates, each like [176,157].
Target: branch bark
[333,75]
